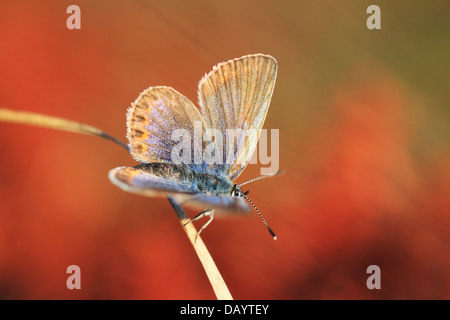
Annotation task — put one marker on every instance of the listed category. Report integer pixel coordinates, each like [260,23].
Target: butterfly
[234,97]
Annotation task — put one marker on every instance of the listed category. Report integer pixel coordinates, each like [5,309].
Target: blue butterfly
[233,97]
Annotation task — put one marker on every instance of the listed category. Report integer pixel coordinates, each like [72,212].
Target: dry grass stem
[56,123]
[214,276]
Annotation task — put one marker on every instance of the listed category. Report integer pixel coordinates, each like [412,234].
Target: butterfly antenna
[260,215]
[263,177]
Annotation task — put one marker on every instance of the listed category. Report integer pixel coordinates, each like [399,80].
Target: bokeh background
[364,139]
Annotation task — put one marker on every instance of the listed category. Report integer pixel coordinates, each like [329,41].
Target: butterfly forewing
[236,95]
[153,118]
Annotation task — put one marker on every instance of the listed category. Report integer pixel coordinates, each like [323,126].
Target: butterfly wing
[236,95]
[155,179]
[152,120]
[221,204]
[162,179]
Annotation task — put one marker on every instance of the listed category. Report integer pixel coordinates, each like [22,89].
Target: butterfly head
[237,192]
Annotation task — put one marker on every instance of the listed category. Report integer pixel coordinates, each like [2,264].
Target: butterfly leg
[209,213]
[199,216]
[202,214]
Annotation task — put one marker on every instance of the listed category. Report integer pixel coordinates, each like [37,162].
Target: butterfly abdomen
[210,184]
[213,184]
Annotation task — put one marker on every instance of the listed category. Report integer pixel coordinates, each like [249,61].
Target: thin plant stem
[214,276]
[56,123]
[30,118]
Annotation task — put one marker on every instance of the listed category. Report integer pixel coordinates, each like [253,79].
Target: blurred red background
[364,127]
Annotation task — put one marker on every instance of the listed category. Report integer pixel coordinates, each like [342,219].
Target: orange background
[364,130]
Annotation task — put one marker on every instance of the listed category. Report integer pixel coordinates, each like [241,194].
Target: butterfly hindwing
[156,179]
[162,179]
[221,204]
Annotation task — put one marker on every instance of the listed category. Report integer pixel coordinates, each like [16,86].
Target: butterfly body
[195,187]
[201,182]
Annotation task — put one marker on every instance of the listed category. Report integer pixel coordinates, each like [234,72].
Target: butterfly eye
[235,191]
